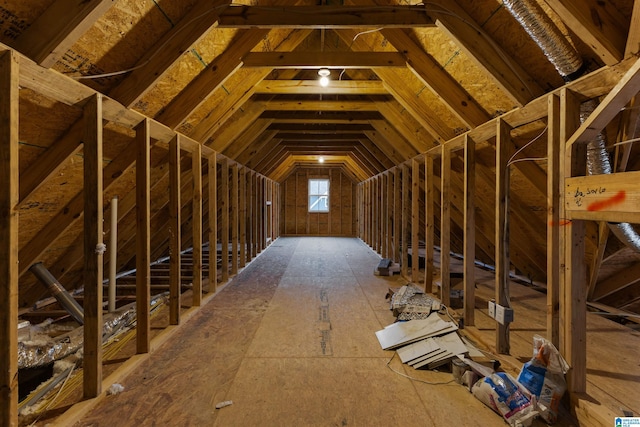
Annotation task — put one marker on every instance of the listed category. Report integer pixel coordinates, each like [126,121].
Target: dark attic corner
[203,205]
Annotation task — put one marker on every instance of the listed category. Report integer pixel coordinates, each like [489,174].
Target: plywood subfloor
[291,342]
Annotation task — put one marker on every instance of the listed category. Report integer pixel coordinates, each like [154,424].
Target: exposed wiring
[510,161]
[527,159]
[413,378]
[365,32]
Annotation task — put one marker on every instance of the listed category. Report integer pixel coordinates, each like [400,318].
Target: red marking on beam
[607,203]
[560,223]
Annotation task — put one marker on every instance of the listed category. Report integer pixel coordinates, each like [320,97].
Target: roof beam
[598,23]
[610,106]
[58,28]
[324,117]
[336,87]
[393,83]
[431,73]
[321,106]
[243,90]
[311,60]
[210,79]
[324,16]
[318,128]
[166,52]
[486,53]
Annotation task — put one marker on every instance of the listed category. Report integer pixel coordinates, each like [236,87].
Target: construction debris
[387,267]
[423,337]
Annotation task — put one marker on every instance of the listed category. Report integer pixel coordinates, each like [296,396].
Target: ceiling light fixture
[321,159]
[324,74]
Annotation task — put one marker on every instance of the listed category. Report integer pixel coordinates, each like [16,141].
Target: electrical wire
[413,378]
[518,151]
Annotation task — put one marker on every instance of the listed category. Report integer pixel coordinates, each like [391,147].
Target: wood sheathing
[247,97]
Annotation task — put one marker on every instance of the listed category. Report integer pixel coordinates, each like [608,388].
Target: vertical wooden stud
[405,220]
[143,237]
[389,215]
[429,211]
[243,216]
[375,228]
[93,247]
[256,214]
[234,218]
[503,142]
[250,214]
[9,127]
[445,226]
[175,244]
[573,292]
[196,170]
[415,221]
[553,220]
[213,223]
[469,250]
[224,218]
[397,213]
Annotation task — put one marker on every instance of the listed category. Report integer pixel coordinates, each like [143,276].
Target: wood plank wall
[341,218]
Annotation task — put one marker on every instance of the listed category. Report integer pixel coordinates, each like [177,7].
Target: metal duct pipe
[570,66]
[547,36]
[58,292]
[598,163]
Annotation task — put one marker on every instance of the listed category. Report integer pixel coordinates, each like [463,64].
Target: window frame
[309,195]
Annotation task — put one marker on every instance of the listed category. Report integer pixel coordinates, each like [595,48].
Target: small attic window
[318,195]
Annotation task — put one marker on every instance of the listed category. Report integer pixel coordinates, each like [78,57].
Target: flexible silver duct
[547,36]
[569,64]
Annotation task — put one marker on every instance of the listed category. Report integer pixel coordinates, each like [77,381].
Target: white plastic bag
[543,376]
[502,393]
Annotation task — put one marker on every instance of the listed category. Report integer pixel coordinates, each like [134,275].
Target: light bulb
[321,160]
[324,74]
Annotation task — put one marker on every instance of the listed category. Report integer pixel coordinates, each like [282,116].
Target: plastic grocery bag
[543,376]
[502,393]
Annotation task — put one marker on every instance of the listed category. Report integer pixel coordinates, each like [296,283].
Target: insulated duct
[58,291]
[547,36]
[570,66]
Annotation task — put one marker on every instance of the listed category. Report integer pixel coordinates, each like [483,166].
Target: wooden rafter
[597,23]
[58,28]
[429,71]
[486,53]
[210,79]
[166,52]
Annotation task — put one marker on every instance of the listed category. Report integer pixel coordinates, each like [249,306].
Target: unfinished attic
[188,213]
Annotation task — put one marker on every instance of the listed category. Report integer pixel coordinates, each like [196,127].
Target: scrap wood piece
[402,333]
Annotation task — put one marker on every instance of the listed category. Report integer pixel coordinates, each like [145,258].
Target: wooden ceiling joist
[319,128]
[337,87]
[325,16]
[315,60]
[337,117]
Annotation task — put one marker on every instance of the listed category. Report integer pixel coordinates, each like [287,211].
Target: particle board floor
[291,342]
